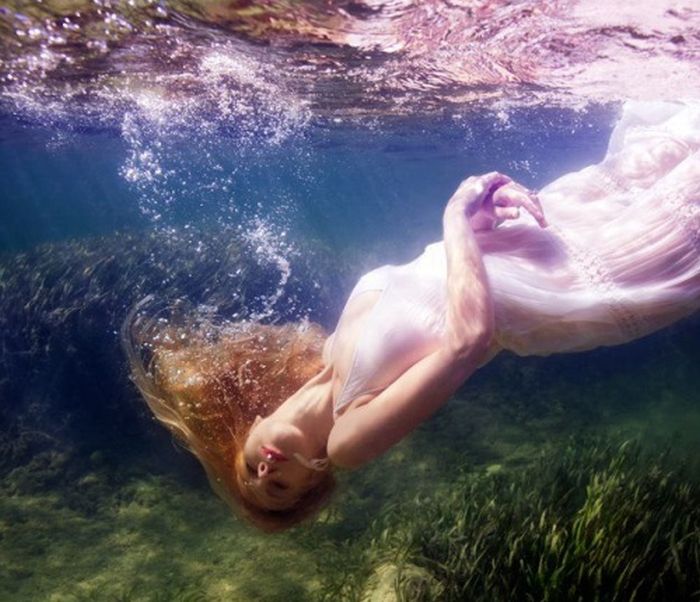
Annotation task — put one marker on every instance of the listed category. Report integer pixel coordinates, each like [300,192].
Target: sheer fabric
[620,259]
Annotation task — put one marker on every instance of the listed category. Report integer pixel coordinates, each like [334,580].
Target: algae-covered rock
[44,472]
[393,583]
[494,469]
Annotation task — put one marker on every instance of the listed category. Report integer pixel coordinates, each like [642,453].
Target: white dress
[620,259]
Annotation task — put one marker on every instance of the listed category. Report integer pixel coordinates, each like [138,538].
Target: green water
[110,531]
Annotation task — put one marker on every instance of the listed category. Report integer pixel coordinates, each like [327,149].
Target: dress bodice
[404,325]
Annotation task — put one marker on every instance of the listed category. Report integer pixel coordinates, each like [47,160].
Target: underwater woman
[270,411]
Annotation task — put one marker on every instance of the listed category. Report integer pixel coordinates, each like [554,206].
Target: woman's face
[269,458]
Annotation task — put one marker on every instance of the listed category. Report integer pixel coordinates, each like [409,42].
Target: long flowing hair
[207,382]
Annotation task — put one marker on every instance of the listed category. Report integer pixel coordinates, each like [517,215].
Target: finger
[536,209]
[504,213]
[493,180]
[476,189]
[526,200]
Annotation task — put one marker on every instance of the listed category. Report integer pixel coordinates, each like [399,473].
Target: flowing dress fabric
[620,259]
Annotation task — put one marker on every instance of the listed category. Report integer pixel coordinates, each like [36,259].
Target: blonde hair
[207,383]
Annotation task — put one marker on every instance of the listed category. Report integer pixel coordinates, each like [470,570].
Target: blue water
[347,184]
[93,219]
[332,199]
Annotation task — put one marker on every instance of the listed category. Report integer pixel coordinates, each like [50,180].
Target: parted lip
[273,455]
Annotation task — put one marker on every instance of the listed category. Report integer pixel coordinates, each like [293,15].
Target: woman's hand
[474,192]
[491,199]
[506,201]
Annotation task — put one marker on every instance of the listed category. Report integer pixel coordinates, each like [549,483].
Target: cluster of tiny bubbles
[55,55]
[270,246]
[188,158]
[186,149]
[194,108]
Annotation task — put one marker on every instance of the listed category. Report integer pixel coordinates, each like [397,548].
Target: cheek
[299,479]
[313,479]
[249,449]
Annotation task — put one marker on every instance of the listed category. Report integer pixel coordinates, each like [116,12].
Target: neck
[310,409]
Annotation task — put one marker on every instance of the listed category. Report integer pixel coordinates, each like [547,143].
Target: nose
[263,469]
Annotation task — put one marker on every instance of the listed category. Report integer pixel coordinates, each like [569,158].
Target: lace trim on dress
[682,208]
[593,271]
[610,181]
[687,215]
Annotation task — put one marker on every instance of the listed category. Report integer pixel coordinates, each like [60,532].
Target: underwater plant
[592,521]
[62,304]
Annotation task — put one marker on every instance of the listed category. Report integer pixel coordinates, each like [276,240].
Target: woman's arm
[470,319]
[369,429]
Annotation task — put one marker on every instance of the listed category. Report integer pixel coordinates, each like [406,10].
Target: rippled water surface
[346,57]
